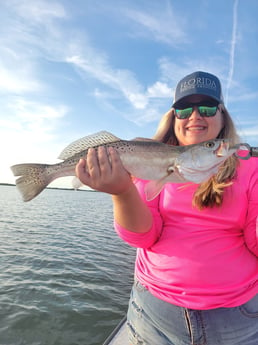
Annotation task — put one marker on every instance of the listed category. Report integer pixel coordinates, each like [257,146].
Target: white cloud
[31,111]
[148,115]
[96,65]
[29,133]
[120,80]
[27,27]
[58,44]
[38,10]
[18,80]
[249,135]
[158,23]
[159,90]
[253,131]
[35,118]
[29,125]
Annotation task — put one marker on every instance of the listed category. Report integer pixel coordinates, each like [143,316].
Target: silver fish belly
[145,159]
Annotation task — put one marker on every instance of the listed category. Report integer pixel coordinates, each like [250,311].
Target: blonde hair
[210,192]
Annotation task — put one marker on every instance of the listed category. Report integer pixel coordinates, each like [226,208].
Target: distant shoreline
[59,188]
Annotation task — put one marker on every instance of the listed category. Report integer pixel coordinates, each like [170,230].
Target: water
[65,275]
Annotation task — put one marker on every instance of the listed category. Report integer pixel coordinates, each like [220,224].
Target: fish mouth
[222,150]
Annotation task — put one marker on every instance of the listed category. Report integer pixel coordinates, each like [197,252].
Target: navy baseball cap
[198,83]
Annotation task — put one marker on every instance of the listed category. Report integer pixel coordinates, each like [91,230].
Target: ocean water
[65,275]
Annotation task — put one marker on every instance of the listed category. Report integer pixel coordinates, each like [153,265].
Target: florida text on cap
[198,83]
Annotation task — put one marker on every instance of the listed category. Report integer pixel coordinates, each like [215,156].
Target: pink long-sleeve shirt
[201,259]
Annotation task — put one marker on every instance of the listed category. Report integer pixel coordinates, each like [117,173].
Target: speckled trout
[143,158]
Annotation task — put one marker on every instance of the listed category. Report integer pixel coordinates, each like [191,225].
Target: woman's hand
[103,170]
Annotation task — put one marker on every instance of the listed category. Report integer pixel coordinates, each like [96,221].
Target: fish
[145,159]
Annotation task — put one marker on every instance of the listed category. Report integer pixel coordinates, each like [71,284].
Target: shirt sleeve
[251,226]
[143,240]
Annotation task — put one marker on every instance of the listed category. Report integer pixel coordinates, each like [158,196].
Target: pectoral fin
[153,188]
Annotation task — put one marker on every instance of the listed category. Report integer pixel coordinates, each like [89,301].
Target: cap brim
[214,101]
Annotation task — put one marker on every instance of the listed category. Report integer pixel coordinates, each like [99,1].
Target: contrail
[232,50]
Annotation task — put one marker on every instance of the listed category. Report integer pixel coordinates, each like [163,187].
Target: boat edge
[115,331]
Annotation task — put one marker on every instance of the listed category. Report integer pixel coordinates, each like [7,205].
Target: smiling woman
[188,230]
[198,113]
[197,108]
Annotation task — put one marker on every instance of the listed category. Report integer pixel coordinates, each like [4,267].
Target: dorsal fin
[86,142]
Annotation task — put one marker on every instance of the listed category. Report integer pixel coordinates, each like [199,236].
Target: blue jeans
[151,321]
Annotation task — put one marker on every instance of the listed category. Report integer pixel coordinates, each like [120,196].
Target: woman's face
[196,128]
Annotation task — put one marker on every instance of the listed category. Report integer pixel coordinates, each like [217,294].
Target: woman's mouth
[196,128]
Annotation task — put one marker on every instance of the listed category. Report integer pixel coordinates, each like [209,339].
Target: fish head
[200,161]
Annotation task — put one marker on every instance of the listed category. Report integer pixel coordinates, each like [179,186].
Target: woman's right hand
[102,170]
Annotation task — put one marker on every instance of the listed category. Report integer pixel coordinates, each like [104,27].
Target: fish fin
[143,139]
[86,142]
[33,179]
[76,183]
[153,188]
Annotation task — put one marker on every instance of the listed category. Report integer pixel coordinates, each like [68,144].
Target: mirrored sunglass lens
[207,111]
[184,113]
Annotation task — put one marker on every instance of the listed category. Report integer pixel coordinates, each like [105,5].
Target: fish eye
[210,144]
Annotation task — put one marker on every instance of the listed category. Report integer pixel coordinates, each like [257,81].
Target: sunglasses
[204,111]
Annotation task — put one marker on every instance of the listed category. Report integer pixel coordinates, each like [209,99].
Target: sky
[73,68]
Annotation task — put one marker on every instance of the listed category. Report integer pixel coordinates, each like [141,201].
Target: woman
[196,270]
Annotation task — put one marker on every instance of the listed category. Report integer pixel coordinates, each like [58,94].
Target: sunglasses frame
[198,105]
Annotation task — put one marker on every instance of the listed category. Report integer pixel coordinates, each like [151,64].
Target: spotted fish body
[145,159]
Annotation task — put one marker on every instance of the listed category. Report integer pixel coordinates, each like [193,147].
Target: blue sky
[72,68]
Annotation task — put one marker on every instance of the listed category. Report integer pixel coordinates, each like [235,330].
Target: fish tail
[34,178]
